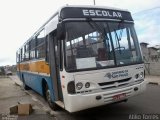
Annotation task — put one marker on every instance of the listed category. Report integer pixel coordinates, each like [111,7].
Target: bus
[83,57]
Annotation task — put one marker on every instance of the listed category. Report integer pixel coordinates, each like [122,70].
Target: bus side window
[33,48]
[47,49]
[56,51]
[58,54]
[21,59]
[18,56]
[26,50]
[40,50]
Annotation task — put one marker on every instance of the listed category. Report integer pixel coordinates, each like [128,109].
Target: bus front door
[54,67]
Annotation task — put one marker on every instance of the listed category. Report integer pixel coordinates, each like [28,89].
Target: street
[12,94]
[146,103]
[142,106]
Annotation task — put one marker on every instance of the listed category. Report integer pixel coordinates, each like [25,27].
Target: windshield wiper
[98,27]
[95,26]
[102,30]
[120,35]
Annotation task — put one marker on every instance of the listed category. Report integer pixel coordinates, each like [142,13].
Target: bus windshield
[99,45]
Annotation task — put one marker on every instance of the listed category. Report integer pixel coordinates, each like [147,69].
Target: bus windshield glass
[99,45]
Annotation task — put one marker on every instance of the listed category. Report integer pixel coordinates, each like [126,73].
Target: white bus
[83,57]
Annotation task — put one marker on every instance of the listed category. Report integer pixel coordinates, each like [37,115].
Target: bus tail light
[71,87]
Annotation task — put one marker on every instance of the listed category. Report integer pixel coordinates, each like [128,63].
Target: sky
[147,26]
[19,19]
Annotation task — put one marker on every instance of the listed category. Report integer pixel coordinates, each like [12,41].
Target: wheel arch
[22,77]
[44,83]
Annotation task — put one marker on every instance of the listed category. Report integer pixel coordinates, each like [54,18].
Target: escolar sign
[84,12]
[101,13]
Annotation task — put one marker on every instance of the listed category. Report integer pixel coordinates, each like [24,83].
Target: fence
[152,65]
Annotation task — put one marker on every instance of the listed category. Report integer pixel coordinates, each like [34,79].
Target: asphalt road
[139,106]
[144,107]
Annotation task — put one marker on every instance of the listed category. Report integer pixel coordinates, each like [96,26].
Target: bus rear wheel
[53,105]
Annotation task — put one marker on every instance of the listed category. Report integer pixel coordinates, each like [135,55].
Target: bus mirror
[60,31]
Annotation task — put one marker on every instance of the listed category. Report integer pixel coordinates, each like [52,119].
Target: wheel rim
[48,96]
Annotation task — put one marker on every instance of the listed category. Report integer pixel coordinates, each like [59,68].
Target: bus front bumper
[84,101]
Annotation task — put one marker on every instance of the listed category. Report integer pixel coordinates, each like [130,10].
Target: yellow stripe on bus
[39,66]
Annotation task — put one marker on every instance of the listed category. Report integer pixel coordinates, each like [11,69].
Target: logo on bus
[108,75]
[117,74]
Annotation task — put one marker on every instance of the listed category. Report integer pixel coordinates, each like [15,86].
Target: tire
[52,105]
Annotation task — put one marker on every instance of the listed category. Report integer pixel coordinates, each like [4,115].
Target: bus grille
[115,84]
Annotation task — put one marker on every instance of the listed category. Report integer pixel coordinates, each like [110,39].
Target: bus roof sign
[101,13]
[83,12]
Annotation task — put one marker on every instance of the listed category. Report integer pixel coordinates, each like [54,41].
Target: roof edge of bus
[65,6]
[93,6]
[35,33]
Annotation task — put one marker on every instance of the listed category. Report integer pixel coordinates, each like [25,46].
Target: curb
[47,110]
[44,108]
[17,84]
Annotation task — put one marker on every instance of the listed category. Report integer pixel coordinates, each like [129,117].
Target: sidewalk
[16,79]
[44,105]
[11,95]
[153,79]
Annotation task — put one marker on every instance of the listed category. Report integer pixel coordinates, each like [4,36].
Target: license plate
[119,97]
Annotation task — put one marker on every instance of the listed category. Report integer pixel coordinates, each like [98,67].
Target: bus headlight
[79,85]
[87,85]
[71,87]
[141,75]
[137,76]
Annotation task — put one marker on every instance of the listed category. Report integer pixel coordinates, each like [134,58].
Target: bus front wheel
[49,100]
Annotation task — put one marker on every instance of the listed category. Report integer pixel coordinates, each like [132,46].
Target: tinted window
[32,48]
[40,50]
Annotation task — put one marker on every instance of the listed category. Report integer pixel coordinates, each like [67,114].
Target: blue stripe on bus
[34,81]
